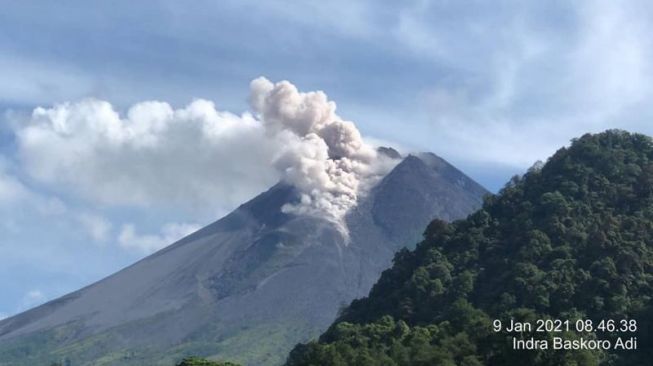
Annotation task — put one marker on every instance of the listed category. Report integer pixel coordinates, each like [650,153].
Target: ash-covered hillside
[248,287]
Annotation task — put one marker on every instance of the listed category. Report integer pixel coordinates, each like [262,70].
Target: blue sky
[490,86]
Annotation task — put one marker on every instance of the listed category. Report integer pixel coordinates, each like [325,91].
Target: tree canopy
[196,361]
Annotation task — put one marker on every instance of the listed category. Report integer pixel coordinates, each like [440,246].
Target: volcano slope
[246,288]
[571,240]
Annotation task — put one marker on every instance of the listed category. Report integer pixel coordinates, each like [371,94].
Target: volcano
[247,287]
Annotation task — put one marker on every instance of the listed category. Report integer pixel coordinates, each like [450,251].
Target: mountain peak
[427,185]
[256,276]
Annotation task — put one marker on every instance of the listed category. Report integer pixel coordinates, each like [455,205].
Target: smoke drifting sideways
[325,156]
[198,155]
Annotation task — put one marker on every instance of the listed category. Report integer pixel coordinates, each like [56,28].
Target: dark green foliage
[572,239]
[196,361]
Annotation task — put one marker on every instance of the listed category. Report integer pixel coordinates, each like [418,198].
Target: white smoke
[200,156]
[326,157]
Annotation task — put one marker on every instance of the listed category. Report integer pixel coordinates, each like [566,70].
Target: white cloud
[3,316]
[170,233]
[194,157]
[11,189]
[519,86]
[14,192]
[96,226]
[612,63]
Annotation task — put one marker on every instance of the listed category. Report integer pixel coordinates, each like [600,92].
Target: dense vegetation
[572,239]
[189,361]
[196,361]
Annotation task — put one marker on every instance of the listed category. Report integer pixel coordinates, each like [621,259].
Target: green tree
[196,361]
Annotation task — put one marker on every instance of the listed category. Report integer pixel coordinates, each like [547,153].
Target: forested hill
[569,240]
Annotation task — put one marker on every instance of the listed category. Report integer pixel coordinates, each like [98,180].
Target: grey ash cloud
[199,155]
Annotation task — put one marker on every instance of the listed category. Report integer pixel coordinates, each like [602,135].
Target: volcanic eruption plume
[199,156]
